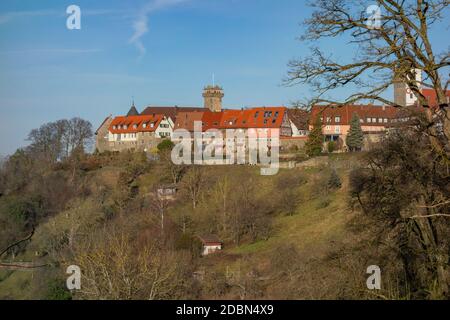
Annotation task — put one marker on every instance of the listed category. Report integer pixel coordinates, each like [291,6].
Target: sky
[161,52]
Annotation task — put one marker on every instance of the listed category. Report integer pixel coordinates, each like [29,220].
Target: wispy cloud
[140,24]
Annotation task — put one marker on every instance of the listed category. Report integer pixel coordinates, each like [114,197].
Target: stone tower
[213,98]
[403,95]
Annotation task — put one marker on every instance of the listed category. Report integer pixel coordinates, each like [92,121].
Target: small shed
[168,192]
[210,244]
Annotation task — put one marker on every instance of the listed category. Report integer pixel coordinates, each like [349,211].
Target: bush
[324,202]
[57,291]
[334,182]
[331,146]
[165,145]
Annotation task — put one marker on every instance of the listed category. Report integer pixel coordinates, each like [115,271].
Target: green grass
[311,225]
[15,285]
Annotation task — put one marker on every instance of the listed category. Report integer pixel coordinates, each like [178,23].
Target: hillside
[314,230]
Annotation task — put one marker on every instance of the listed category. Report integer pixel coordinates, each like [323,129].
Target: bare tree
[193,182]
[57,140]
[385,54]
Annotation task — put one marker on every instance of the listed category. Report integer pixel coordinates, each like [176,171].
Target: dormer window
[144,125]
[135,126]
[125,127]
[114,127]
[120,126]
[152,125]
[256,114]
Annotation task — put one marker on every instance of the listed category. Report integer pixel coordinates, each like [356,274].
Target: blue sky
[162,52]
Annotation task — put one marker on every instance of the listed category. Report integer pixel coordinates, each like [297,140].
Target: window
[135,126]
[361,120]
[369,120]
[276,113]
[256,114]
[114,127]
[328,127]
[144,125]
[328,119]
[125,126]
[337,119]
[374,120]
[380,120]
[385,120]
[337,129]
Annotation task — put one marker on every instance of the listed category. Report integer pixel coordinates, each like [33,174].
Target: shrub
[313,146]
[57,291]
[165,145]
[334,182]
[324,202]
[331,146]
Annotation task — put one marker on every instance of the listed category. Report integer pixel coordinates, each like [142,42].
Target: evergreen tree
[355,135]
[314,145]
[334,182]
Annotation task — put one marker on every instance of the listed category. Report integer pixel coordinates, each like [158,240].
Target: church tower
[403,95]
[213,98]
[133,111]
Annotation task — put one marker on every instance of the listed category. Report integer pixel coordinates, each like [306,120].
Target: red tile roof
[431,96]
[134,124]
[170,112]
[210,239]
[346,112]
[185,120]
[261,117]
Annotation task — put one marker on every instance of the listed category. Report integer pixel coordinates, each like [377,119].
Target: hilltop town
[144,131]
[342,195]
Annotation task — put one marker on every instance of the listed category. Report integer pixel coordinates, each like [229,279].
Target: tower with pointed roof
[133,111]
[213,98]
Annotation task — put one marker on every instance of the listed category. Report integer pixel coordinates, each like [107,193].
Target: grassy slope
[312,230]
